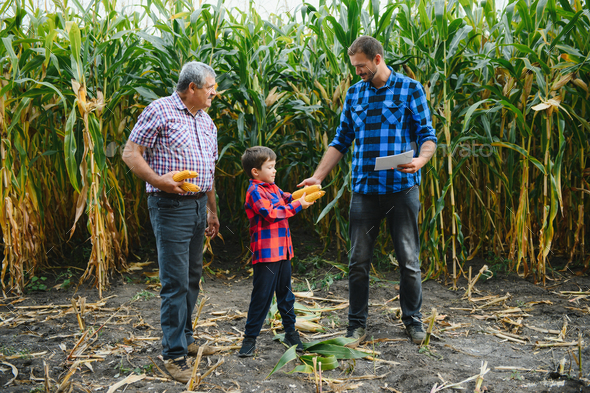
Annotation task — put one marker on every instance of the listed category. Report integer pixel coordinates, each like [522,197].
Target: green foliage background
[508,92]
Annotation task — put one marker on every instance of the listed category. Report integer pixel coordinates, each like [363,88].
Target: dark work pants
[366,212]
[271,278]
[179,227]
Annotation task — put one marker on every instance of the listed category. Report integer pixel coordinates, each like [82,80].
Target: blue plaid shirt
[386,121]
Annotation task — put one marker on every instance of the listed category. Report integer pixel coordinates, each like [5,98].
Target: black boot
[248,347]
[292,338]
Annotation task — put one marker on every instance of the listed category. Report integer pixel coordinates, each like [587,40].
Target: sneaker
[358,334]
[193,349]
[248,347]
[416,332]
[178,369]
[292,338]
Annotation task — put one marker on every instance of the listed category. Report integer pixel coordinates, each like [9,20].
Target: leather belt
[161,194]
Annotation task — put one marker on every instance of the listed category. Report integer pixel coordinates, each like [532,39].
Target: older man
[385,113]
[174,134]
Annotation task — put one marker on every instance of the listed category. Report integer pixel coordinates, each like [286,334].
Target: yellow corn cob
[308,190]
[190,187]
[180,176]
[315,195]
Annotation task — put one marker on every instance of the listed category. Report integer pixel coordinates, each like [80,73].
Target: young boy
[268,209]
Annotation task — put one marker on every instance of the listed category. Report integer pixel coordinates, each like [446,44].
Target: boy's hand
[304,203]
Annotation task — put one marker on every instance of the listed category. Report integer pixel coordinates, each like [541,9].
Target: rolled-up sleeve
[421,117]
[345,131]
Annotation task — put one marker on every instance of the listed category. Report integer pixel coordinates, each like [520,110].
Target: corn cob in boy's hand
[307,190]
[188,187]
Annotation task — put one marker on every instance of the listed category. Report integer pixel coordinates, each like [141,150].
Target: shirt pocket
[394,113]
[179,136]
[359,115]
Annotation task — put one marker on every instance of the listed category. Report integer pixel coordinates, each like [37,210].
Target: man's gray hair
[195,72]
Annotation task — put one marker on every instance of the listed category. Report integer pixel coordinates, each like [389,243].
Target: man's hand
[412,167]
[212,225]
[167,184]
[304,203]
[310,181]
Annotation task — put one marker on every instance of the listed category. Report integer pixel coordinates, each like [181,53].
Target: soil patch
[503,326]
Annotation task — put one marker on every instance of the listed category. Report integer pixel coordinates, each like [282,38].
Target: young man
[268,209]
[387,113]
[174,134]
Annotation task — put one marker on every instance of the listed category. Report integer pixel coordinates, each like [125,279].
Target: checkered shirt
[268,209]
[175,140]
[382,122]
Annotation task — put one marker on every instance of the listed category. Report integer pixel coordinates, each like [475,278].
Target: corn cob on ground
[308,190]
[315,195]
[180,176]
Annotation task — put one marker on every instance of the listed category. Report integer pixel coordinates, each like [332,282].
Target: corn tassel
[307,190]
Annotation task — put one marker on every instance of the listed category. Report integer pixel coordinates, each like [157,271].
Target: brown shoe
[178,369]
[193,349]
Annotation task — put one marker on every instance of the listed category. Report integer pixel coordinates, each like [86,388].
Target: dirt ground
[511,327]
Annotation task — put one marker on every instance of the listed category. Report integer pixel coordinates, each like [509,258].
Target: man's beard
[370,74]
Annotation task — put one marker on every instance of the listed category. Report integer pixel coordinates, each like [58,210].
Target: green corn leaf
[75,40]
[70,149]
[328,362]
[288,356]
[338,351]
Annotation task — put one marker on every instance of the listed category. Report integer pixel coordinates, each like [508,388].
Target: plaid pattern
[177,141]
[268,209]
[386,121]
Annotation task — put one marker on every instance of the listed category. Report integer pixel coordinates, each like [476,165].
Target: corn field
[508,92]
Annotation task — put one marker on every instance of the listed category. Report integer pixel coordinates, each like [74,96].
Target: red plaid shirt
[177,141]
[268,209]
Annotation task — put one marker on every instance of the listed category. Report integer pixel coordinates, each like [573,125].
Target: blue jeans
[366,212]
[271,278]
[179,226]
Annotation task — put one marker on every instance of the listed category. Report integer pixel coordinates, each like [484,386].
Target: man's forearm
[133,157]
[427,150]
[211,203]
[328,163]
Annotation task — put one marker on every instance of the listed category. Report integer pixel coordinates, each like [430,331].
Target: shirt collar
[389,83]
[259,182]
[180,105]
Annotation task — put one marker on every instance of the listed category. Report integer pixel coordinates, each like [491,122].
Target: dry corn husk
[562,81]
[308,326]
[273,97]
[306,190]
[581,84]
[322,91]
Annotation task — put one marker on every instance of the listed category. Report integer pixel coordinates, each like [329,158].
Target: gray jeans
[179,226]
[366,212]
